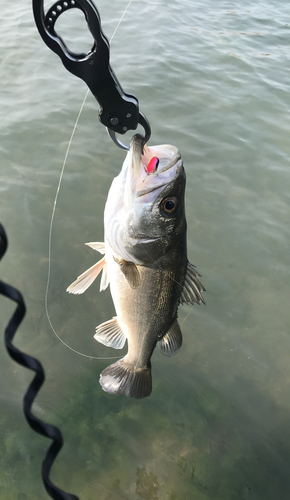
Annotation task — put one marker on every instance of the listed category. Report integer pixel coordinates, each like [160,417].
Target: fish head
[145,213]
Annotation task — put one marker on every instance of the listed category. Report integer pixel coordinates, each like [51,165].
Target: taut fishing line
[54,208]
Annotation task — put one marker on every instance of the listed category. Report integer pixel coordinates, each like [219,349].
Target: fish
[145,263]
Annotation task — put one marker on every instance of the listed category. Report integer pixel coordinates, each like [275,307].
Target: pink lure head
[152,165]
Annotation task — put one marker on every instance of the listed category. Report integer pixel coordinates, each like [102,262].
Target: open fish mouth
[159,163]
[152,167]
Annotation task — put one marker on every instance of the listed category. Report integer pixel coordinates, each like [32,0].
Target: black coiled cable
[23,359]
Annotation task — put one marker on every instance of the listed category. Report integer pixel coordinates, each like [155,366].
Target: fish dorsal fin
[192,288]
[87,278]
[130,271]
[97,245]
[110,334]
[172,340]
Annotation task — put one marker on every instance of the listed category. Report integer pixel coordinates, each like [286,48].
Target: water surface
[214,81]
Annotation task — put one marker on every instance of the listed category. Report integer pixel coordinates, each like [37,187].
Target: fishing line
[54,208]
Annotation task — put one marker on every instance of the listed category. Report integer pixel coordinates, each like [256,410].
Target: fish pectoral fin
[110,334]
[172,340]
[97,245]
[130,271]
[87,278]
[192,288]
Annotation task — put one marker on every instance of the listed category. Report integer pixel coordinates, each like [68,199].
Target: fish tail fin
[123,378]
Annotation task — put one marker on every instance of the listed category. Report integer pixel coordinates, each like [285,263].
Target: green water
[214,80]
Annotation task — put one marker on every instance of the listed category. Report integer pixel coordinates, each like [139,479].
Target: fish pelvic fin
[171,342]
[124,378]
[110,334]
[97,245]
[87,278]
[192,288]
[105,278]
[130,271]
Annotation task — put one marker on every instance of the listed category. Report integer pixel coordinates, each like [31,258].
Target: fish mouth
[153,167]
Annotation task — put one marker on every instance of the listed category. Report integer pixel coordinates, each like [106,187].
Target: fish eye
[169,205]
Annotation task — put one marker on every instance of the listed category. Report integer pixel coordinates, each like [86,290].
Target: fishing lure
[152,165]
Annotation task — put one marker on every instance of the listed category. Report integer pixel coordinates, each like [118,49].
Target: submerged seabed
[214,81]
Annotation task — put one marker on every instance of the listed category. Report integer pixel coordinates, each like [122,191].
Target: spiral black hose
[23,359]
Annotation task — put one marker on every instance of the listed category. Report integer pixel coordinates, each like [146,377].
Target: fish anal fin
[172,340]
[130,271]
[110,334]
[192,288]
[86,279]
[123,378]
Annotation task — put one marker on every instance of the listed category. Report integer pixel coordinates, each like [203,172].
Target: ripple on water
[213,79]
